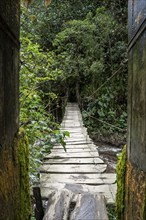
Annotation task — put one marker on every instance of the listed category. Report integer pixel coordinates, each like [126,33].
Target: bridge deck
[77,172]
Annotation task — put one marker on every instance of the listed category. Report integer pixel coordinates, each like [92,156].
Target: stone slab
[74,161]
[75,150]
[69,146]
[88,179]
[79,188]
[75,168]
[89,207]
[73,155]
[58,205]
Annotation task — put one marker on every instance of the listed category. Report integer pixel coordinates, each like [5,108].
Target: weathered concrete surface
[9,70]
[79,170]
[14,162]
[137,88]
[135,178]
[9,65]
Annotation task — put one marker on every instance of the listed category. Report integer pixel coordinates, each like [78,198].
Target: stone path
[80,169]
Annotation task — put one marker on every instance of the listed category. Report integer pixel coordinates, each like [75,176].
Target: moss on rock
[23,160]
[121,170]
[131,190]
[14,179]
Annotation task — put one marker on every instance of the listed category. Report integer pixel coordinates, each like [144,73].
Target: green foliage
[111,211]
[51,20]
[74,47]
[121,170]
[89,52]
[37,99]
[79,48]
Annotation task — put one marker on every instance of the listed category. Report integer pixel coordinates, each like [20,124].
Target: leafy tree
[89,52]
[82,45]
[50,20]
[36,102]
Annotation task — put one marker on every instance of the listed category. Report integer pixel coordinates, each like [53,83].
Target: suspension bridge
[75,182]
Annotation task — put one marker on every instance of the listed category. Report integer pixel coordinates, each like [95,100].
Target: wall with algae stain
[135,178]
[9,183]
[131,191]
[135,193]
[14,180]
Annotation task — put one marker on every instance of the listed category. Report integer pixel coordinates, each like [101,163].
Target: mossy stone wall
[131,190]
[135,193]
[23,163]
[9,183]
[14,180]
[135,176]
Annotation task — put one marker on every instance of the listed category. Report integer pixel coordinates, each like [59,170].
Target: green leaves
[37,100]
[66,134]
[72,46]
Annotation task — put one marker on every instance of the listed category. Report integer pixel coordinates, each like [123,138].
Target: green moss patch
[121,171]
[23,160]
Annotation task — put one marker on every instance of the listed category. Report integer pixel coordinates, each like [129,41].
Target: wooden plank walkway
[76,173]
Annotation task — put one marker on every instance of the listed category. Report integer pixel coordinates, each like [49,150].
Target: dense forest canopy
[77,50]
